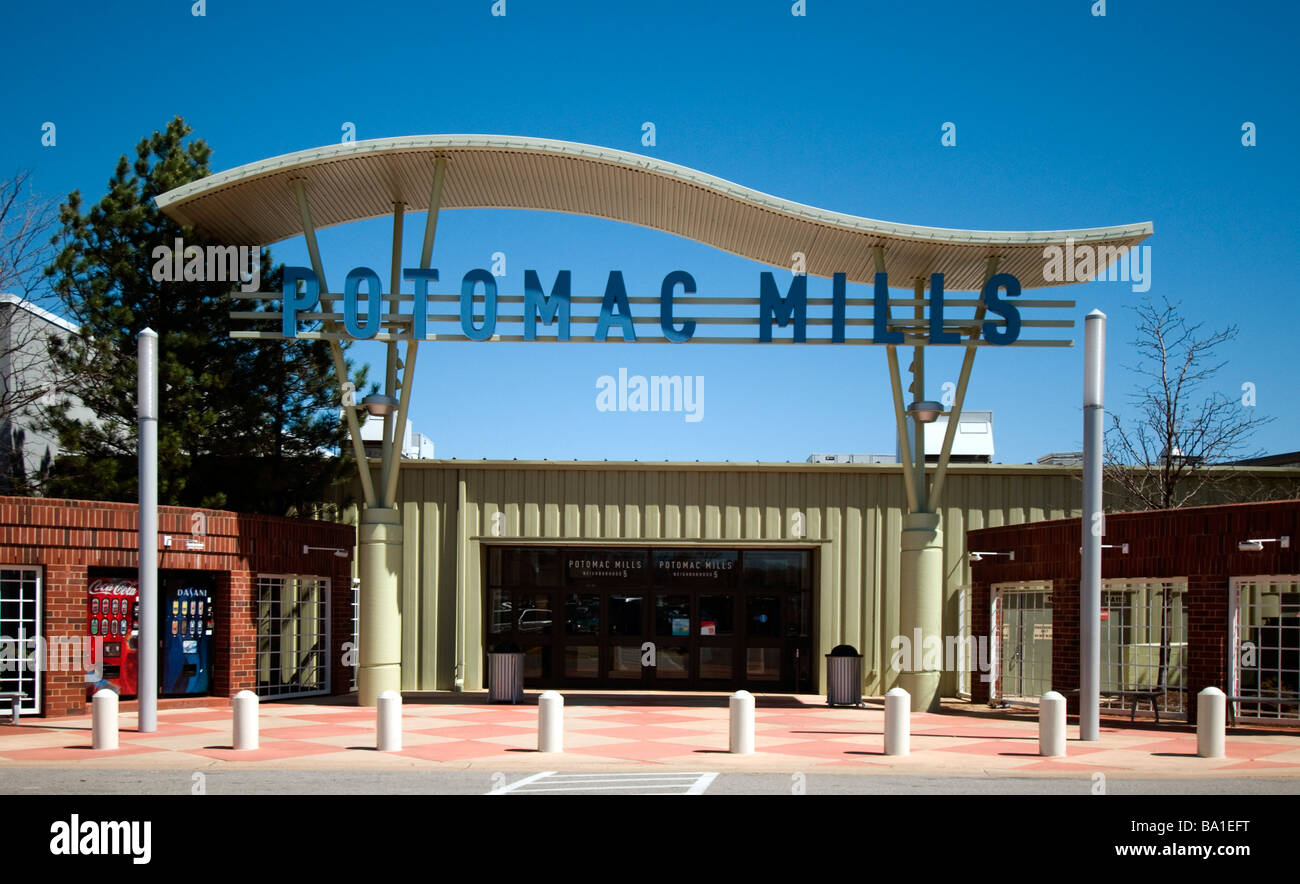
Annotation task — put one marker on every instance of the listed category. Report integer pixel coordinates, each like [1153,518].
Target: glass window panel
[763,664]
[534,613]
[525,566]
[625,614]
[625,662]
[582,661]
[715,663]
[703,568]
[500,619]
[763,615]
[672,614]
[673,663]
[537,661]
[777,569]
[615,568]
[717,614]
[581,614]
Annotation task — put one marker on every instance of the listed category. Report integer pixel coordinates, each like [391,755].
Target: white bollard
[1211,723]
[898,722]
[1051,724]
[742,723]
[550,722]
[244,727]
[103,720]
[389,727]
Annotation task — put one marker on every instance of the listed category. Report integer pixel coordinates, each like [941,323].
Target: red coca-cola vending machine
[115,618]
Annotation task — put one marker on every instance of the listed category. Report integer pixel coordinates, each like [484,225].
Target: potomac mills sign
[297,194]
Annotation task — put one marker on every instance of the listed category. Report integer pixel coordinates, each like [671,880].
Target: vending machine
[114,617]
[186,626]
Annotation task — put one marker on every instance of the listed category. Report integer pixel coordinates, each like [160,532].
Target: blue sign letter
[880,332]
[374,303]
[937,334]
[467,286]
[615,296]
[536,303]
[794,304]
[293,302]
[671,281]
[420,312]
[1002,308]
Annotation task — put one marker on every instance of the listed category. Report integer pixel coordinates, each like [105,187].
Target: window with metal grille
[1022,617]
[1144,643]
[964,655]
[292,635]
[20,623]
[1265,624]
[356,630]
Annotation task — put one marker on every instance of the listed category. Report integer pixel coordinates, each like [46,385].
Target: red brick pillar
[1207,637]
[981,627]
[1065,641]
[235,634]
[66,614]
[340,627]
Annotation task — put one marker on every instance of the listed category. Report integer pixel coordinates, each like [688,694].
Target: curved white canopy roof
[255,205]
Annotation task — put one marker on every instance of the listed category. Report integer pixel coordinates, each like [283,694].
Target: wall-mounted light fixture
[338,551]
[979,556]
[1122,547]
[1256,544]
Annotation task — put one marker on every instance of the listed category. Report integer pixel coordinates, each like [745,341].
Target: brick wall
[1195,543]
[67,538]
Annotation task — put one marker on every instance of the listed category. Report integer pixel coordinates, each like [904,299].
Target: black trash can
[844,676]
[505,674]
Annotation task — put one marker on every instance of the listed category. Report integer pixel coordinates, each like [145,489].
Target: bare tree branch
[1158,460]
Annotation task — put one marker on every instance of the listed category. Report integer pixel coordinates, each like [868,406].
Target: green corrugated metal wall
[852,516]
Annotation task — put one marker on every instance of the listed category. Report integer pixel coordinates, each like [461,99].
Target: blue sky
[1064,119]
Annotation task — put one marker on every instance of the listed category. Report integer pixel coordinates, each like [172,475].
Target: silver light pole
[1094,411]
[147,415]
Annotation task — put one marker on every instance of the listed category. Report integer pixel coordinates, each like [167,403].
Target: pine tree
[242,425]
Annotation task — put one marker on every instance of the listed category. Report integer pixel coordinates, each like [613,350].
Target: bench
[1274,701]
[1136,696]
[15,699]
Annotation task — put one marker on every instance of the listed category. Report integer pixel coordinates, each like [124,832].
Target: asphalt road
[64,781]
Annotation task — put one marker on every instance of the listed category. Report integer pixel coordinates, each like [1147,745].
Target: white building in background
[973,442]
[27,382]
[415,446]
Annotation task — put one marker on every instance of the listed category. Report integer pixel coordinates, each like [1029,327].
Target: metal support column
[1094,413]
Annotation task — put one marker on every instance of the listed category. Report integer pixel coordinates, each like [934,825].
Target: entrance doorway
[654,619]
[1023,612]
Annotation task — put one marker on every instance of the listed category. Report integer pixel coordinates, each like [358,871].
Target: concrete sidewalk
[664,732]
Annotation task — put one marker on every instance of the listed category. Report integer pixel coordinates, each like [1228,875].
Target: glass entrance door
[662,619]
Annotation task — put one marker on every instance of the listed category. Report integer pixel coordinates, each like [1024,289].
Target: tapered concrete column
[921,607]
[379,563]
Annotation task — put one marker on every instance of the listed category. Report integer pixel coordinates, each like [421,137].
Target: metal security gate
[1022,613]
[1265,635]
[20,622]
[292,635]
[1144,645]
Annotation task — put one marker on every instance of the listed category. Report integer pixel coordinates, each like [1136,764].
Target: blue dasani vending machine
[186,622]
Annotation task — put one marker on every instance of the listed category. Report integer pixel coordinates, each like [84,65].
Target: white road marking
[576,784]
